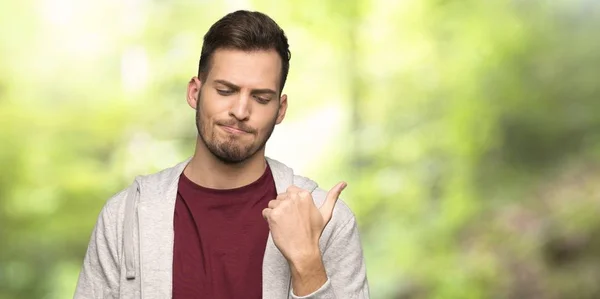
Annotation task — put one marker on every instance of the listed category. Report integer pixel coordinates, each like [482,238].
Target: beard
[231,150]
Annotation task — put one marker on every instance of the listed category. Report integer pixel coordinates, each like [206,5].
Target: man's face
[238,105]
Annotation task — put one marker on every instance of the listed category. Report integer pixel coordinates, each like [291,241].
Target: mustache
[236,124]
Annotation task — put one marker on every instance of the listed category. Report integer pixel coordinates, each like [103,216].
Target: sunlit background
[468,131]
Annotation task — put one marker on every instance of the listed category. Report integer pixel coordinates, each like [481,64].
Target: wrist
[301,261]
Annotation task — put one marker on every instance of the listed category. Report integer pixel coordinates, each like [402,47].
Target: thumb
[332,196]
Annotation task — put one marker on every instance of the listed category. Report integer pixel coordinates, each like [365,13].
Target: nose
[240,108]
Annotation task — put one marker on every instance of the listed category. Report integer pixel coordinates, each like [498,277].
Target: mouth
[232,130]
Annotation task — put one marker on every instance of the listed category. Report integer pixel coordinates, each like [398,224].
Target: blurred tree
[486,101]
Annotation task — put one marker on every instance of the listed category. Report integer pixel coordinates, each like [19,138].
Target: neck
[208,171]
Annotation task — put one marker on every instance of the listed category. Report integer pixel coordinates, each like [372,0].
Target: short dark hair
[247,31]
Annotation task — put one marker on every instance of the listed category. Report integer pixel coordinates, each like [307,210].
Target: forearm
[308,274]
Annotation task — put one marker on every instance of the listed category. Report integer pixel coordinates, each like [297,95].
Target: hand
[296,224]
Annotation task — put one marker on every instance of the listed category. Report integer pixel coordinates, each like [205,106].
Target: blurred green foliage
[470,135]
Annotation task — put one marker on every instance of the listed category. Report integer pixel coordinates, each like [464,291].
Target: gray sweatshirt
[130,254]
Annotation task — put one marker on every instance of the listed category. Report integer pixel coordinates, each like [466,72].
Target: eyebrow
[237,88]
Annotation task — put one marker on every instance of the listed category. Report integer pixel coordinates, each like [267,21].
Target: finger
[304,195]
[266,213]
[332,196]
[274,203]
[282,196]
[293,196]
[294,189]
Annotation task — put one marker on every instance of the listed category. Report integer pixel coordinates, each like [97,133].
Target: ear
[193,92]
[282,108]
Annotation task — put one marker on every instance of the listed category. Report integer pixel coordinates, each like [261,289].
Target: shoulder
[159,181]
[115,205]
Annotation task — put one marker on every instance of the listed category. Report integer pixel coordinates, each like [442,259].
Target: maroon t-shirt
[220,239]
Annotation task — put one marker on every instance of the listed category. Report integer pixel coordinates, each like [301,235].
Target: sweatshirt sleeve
[99,276]
[345,267]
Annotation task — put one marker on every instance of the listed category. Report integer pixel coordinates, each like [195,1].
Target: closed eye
[224,92]
[262,100]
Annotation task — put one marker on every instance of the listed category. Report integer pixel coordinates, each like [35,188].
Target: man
[229,222]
